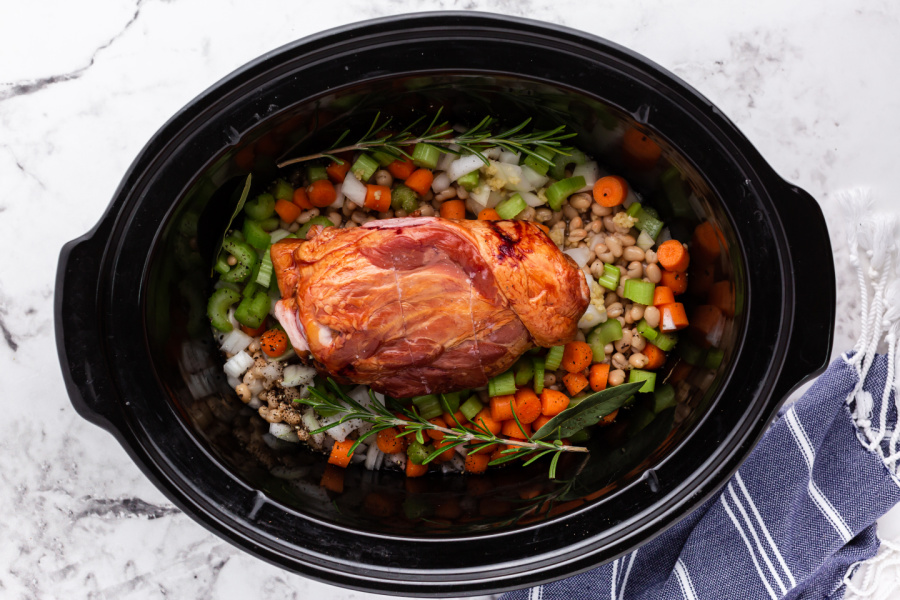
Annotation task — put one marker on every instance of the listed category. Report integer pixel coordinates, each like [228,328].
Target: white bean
[653,273]
[581,201]
[633,253]
[616,377]
[651,315]
[638,360]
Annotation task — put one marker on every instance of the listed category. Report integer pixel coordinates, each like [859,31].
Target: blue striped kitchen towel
[798,518]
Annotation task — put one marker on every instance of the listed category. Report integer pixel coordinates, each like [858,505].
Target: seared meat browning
[426,305]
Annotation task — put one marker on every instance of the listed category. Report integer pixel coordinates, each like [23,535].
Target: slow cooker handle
[814,294]
[78,329]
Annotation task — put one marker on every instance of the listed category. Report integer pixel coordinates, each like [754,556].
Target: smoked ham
[425,305]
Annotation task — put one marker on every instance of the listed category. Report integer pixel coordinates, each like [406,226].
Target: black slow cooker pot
[139,360]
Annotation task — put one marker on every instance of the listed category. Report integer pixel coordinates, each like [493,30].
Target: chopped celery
[713,359]
[645,330]
[691,353]
[538,374]
[417,452]
[471,407]
[648,377]
[261,207]
[283,190]
[666,341]
[595,341]
[646,219]
[323,221]
[561,161]
[315,173]
[252,311]
[554,358]
[508,209]
[610,331]
[524,370]
[429,406]
[256,236]
[221,267]
[539,166]
[610,277]
[663,398]
[217,308]
[246,259]
[450,402]
[252,287]
[264,277]
[469,180]
[674,189]
[562,189]
[502,385]
[639,291]
[364,167]
[425,155]
[383,158]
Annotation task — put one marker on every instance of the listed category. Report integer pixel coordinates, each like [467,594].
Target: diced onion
[664,236]
[591,318]
[374,457]
[493,153]
[359,453]
[595,240]
[644,241]
[271,371]
[495,198]
[295,375]
[511,158]
[463,166]
[440,183]
[279,234]
[591,173]
[480,195]
[238,363]
[631,198]
[532,200]
[235,341]
[354,190]
[398,459]
[338,196]
[579,255]
[531,180]
[283,432]
[311,423]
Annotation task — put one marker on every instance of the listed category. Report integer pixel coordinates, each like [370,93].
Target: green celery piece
[253,311]
[510,208]
[315,173]
[469,180]
[425,155]
[323,221]
[471,407]
[562,189]
[364,167]
[246,259]
[647,377]
[554,358]
[610,331]
[255,235]
[261,207]
[217,308]
[639,291]
[283,190]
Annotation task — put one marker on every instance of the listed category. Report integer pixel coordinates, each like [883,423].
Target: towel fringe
[876,578]
[873,252]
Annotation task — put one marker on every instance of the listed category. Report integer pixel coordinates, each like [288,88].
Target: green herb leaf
[587,412]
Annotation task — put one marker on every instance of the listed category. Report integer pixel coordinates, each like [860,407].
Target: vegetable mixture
[635,271]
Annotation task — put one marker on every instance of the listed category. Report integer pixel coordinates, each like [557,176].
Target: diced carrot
[662,295]
[453,209]
[433,434]
[527,406]
[575,382]
[274,342]
[378,197]
[599,375]
[673,256]
[677,282]
[337,172]
[577,357]
[610,191]
[502,407]
[390,442]
[541,420]
[488,214]
[448,419]
[542,227]
[639,150]
[414,470]
[511,430]
[477,462]
[333,479]
[254,332]
[321,193]
[721,295]
[420,181]
[706,324]
[705,243]
[288,211]
[446,454]
[701,277]
[483,420]
[553,402]
[655,357]
[301,199]
[672,317]
[401,169]
[608,418]
[680,372]
[340,453]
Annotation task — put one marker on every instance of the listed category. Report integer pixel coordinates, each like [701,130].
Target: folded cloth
[798,518]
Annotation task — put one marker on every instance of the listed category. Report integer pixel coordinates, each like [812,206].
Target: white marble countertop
[83,85]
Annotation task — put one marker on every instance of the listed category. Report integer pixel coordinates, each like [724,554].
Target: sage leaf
[587,412]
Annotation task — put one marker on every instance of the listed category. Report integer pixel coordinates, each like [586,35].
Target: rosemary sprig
[475,439]
[441,136]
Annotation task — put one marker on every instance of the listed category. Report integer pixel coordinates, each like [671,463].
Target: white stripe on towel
[759,546]
[765,530]
[615,575]
[684,580]
[627,573]
[737,526]
[824,505]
